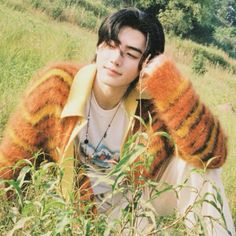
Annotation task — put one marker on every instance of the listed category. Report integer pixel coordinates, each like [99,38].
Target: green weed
[33,204]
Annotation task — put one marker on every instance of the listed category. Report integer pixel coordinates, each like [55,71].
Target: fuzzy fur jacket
[175,108]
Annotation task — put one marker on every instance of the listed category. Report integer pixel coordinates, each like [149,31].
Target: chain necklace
[86,141]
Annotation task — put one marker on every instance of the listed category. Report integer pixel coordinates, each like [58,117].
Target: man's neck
[106,96]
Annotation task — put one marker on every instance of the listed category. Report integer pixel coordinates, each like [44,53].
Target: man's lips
[112,71]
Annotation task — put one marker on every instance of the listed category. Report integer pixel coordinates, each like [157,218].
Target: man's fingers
[153,64]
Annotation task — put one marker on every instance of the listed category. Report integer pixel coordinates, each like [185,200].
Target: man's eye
[131,55]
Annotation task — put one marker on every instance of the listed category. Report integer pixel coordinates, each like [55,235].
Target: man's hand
[153,64]
[160,78]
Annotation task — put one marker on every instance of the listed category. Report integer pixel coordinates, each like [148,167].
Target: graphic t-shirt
[100,154]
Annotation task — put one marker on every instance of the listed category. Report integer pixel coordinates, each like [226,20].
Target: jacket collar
[81,90]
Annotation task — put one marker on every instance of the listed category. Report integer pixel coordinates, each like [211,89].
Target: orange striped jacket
[175,108]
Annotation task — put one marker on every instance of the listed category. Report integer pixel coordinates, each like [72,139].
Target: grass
[36,206]
[84,13]
[28,42]
[30,39]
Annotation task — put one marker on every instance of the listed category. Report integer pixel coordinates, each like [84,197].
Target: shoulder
[53,75]
[58,68]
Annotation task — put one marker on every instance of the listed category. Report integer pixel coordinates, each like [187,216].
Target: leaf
[47,234]
[88,228]
[23,162]
[141,120]
[19,225]
[23,172]
[128,159]
[218,197]
[159,192]
[116,180]
[15,185]
[164,134]
[52,204]
[213,204]
[62,224]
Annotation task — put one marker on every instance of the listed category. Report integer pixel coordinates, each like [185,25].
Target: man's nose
[117,56]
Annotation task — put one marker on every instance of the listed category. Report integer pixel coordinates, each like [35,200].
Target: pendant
[86,141]
[105,134]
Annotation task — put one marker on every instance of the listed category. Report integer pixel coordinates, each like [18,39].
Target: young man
[90,112]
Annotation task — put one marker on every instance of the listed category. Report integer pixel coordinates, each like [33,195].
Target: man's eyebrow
[129,47]
[135,49]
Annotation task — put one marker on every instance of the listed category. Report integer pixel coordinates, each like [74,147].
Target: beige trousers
[191,186]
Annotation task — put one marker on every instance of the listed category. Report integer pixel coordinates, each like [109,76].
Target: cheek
[132,75]
[101,56]
[135,70]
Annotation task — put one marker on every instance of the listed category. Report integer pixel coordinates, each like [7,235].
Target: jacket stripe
[164,105]
[48,110]
[208,147]
[16,140]
[188,123]
[54,92]
[66,77]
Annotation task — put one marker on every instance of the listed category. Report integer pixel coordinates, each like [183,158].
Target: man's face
[117,63]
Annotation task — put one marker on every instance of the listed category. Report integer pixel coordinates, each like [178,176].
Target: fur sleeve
[196,132]
[35,125]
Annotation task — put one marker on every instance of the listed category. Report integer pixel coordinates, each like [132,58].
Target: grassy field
[31,39]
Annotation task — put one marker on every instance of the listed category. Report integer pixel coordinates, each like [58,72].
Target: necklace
[86,141]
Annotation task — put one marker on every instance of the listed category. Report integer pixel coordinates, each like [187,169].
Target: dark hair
[142,21]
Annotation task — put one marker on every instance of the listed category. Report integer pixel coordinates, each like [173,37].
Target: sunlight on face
[117,62]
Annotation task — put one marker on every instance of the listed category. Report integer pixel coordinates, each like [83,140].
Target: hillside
[31,39]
